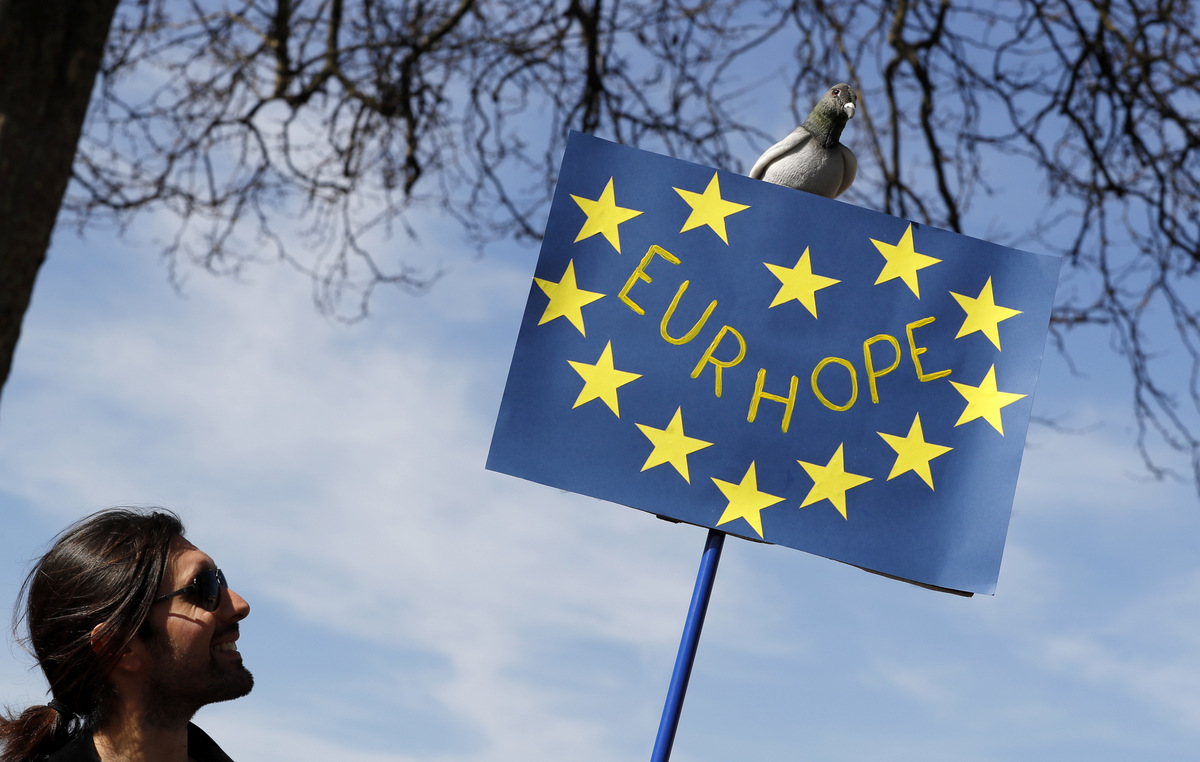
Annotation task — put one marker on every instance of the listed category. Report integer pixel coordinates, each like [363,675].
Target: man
[135,630]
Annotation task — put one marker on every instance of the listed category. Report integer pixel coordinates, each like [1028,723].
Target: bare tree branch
[308,131]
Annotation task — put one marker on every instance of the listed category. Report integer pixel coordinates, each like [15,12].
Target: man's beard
[177,689]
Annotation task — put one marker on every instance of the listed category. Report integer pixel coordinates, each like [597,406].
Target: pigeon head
[829,116]
[843,97]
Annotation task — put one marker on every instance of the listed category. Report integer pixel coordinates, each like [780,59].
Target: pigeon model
[811,158]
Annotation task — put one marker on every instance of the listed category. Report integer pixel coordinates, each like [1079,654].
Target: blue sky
[409,605]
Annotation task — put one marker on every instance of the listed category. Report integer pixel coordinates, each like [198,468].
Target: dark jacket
[81,749]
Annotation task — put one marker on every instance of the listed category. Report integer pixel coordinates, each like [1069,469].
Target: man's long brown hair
[102,571]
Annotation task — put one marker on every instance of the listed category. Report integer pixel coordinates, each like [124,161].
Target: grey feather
[812,158]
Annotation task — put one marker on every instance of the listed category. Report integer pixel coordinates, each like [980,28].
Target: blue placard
[780,366]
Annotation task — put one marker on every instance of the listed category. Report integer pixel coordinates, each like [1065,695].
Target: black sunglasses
[207,586]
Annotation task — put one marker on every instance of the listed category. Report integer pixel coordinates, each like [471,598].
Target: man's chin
[172,701]
[234,684]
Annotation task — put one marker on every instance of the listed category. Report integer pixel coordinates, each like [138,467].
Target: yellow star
[983,314]
[831,482]
[903,261]
[913,453]
[566,299]
[984,401]
[745,501]
[709,208]
[799,283]
[601,380]
[603,216]
[672,446]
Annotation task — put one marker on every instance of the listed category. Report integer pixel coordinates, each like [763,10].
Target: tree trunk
[50,51]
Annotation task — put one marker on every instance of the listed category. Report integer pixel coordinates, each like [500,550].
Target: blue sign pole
[687,646]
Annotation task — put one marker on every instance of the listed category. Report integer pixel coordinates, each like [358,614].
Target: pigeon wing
[792,142]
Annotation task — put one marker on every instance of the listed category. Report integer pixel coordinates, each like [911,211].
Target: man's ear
[131,657]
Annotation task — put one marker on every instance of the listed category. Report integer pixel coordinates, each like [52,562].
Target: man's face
[193,656]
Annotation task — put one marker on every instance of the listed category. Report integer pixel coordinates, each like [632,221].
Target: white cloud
[1148,649]
[340,472]
[337,474]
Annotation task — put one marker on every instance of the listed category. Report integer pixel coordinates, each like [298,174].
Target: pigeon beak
[849,109]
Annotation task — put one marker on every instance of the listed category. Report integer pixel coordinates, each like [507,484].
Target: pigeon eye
[836,91]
